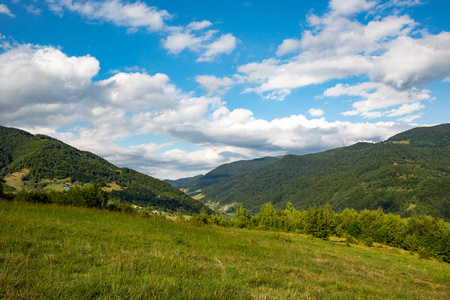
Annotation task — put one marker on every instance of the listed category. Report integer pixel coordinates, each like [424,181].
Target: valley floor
[63,252]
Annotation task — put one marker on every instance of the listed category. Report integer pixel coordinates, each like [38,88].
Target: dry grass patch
[15,179]
[112,187]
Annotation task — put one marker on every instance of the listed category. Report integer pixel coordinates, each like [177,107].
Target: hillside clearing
[15,179]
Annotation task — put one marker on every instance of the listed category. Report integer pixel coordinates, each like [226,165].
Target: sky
[176,88]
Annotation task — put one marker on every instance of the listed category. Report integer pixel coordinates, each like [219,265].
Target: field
[63,252]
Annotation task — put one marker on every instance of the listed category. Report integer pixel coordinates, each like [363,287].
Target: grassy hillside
[62,252]
[42,162]
[407,174]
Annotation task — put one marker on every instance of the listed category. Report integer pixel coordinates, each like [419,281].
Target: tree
[242,217]
[320,222]
[267,216]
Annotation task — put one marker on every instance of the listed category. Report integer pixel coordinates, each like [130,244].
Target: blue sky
[176,88]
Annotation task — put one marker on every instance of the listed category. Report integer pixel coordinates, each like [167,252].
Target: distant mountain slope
[227,171]
[178,183]
[47,159]
[407,174]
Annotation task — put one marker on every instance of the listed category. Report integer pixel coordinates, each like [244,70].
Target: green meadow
[49,251]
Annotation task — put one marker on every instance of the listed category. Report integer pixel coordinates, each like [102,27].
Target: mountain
[178,183]
[39,161]
[227,171]
[407,174]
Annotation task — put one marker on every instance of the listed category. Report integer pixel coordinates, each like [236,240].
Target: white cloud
[32,10]
[447,79]
[139,92]
[410,118]
[44,79]
[316,112]
[199,25]
[275,78]
[336,48]
[204,43]
[288,46]
[136,14]
[350,7]
[387,49]
[411,62]
[405,109]
[177,42]
[377,97]
[224,45]
[5,10]
[215,85]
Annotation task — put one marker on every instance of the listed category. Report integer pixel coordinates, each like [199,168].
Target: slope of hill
[65,252]
[227,171]
[407,174]
[42,160]
[178,183]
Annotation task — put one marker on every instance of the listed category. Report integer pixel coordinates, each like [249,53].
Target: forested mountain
[227,171]
[47,160]
[407,174]
[178,183]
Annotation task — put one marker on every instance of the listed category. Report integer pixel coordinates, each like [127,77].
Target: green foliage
[320,222]
[243,219]
[33,196]
[89,196]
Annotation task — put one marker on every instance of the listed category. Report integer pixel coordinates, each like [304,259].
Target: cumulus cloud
[204,43]
[316,112]
[353,40]
[410,62]
[288,46]
[178,41]
[225,44]
[136,14]
[5,10]
[43,80]
[377,97]
[139,91]
[215,85]
[350,7]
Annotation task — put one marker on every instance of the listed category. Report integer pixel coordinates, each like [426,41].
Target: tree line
[424,235]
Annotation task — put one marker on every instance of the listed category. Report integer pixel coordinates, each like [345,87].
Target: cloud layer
[58,91]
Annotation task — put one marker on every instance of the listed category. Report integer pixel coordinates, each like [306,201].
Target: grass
[62,252]
[112,187]
[15,179]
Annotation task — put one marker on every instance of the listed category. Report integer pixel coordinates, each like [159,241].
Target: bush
[368,242]
[34,196]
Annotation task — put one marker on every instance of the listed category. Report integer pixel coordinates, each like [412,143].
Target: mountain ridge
[407,174]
